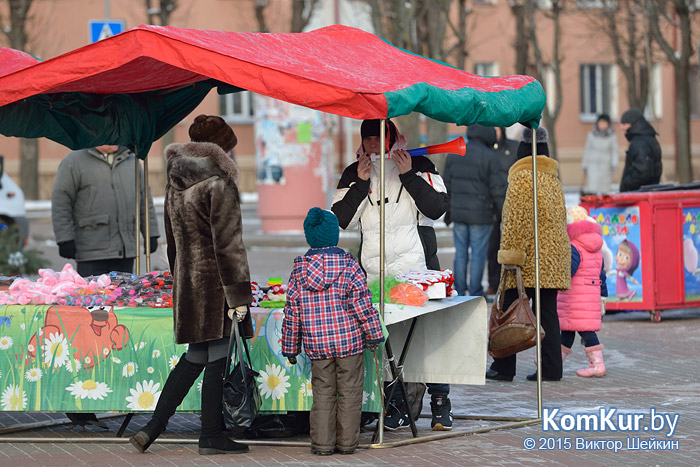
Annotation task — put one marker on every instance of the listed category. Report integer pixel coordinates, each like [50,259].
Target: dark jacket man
[476,182]
[643,159]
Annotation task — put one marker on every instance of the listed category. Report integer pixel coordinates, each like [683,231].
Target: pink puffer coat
[579,307]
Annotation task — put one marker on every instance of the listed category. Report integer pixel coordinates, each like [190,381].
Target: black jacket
[476,182]
[643,159]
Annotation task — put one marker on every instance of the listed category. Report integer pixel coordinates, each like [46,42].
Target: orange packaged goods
[436,284]
[407,294]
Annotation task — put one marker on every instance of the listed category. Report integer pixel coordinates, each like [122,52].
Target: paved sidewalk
[649,365]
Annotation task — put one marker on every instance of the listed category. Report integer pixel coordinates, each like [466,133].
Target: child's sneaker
[441,407]
[396,420]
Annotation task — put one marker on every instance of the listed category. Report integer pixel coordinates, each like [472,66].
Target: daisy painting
[89,389]
[129,369]
[33,374]
[144,397]
[173,361]
[273,382]
[306,389]
[13,399]
[55,350]
[5,342]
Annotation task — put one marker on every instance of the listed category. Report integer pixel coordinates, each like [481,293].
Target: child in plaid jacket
[329,309]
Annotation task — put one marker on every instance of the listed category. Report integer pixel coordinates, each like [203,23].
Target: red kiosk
[651,248]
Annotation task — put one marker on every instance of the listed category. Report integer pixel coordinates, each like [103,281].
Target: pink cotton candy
[4,298]
[23,299]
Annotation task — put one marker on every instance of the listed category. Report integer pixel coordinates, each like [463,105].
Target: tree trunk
[683,152]
[521,43]
[29,167]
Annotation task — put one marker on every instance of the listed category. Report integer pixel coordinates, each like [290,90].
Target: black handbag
[241,399]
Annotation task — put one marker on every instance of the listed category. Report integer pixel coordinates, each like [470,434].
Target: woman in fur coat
[210,273]
[518,247]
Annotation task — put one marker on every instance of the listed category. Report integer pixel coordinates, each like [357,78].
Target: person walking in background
[518,248]
[415,197]
[643,159]
[579,308]
[600,157]
[327,286]
[508,150]
[211,277]
[477,187]
[93,212]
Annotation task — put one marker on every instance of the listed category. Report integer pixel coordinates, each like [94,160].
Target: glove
[372,346]
[602,305]
[153,244]
[292,360]
[240,311]
[448,218]
[67,249]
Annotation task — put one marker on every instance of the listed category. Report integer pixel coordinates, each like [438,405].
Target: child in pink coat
[579,308]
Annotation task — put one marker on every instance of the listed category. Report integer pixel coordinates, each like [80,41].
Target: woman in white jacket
[415,196]
[600,157]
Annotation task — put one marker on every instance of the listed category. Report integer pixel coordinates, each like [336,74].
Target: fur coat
[205,246]
[517,229]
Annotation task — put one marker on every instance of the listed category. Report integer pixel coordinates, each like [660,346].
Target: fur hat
[631,116]
[321,228]
[213,129]
[578,213]
[525,146]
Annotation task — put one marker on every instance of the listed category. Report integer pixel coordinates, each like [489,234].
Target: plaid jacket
[329,307]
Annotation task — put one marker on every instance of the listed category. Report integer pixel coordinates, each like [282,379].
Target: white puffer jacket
[356,203]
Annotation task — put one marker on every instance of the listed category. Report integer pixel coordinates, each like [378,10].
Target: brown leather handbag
[515,329]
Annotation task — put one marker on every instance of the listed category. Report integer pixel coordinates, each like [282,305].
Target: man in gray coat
[477,187]
[93,210]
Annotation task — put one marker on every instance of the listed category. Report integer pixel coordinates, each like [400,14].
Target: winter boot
[596,367]
[176,388]
[441,408]
[565,351]
[212,439]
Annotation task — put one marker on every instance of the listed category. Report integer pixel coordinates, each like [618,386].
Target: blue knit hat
[321,228]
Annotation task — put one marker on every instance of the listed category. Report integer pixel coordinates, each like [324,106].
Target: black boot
[176,388]
[212,439]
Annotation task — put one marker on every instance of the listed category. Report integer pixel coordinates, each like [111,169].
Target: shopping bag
[515,329]
[241,398]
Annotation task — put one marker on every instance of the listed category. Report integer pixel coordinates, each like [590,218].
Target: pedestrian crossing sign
[104,28]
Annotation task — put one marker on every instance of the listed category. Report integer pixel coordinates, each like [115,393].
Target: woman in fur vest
[210,273]
[518,247]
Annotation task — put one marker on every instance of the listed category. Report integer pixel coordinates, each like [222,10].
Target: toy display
[67,287]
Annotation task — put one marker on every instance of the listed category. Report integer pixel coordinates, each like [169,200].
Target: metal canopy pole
[137,187]
[147,216]
[537,273]
[382,150]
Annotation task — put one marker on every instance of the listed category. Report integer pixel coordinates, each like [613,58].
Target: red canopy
[337,69]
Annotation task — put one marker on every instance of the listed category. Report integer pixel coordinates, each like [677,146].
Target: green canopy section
[80,120]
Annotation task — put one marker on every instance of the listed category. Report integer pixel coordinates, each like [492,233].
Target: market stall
[57,358]
[71,100]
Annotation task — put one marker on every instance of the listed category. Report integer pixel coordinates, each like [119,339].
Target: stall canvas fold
[132,87]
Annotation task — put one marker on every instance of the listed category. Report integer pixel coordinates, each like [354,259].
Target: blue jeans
[475,236]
